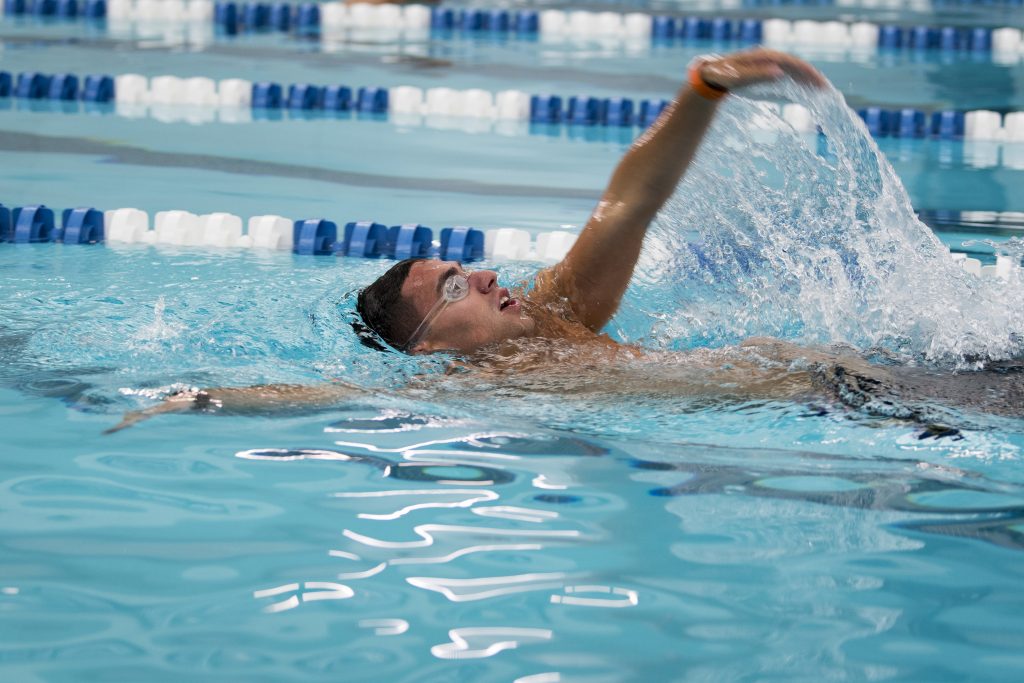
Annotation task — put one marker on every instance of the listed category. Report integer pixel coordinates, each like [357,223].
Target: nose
[483,280]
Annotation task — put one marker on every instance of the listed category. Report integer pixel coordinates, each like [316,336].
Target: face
[488,314]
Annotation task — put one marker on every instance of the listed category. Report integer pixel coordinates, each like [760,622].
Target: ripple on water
[221,659]
[160,467]
[89,501]
[362,654]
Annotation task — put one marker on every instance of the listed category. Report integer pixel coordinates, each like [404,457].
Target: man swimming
[551,331]
[422,306]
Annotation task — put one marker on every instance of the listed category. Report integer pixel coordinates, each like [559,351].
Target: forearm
[267,398]
[273,397]
[597,270]
[650,171]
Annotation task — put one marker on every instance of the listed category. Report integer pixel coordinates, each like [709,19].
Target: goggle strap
[421,329]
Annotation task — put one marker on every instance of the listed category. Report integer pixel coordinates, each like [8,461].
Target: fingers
[129,419]
[760,65]
[800,71]
[174,404]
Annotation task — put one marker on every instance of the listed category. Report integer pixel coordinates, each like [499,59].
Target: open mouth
[505,301]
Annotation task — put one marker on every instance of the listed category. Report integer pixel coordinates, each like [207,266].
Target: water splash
[161,329]
[812,239]
[1013,247]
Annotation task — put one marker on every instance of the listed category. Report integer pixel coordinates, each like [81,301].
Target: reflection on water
[994,516]
[529,554]
[393,535]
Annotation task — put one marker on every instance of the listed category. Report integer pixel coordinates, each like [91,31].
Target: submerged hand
[176,403]
[759,65]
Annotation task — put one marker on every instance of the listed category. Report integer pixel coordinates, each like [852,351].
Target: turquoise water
[748,540]
[490,531]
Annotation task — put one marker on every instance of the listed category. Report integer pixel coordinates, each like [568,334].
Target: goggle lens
[455,288]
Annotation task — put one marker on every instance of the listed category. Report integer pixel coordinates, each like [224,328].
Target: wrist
[700,85]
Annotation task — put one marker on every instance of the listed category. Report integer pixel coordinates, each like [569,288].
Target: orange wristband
[701,87]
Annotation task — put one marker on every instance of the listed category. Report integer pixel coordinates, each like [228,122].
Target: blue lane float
[545,109]
[498,20]
[6,229]
[364,238]
[650,110]
[913,123]
[372,100]
[256,16]
[307,18]
[584,111]
[472,20]
[305,96]
[526,22]
[82,226]
[947,125]
[910,123]
[337,98]
[461,244]
[479,20]
[266,95]
[33,224]
[281,16]
[617,111]
[924,38]
[226,16]
[44,8]
[411,240]
[314,236]
[99,89]
[63,87]
[32,85]
[442,18]
[877,120]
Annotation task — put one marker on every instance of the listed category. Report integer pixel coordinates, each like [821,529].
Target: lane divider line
[311,236]
[133,92]
[332,19]
[360,239]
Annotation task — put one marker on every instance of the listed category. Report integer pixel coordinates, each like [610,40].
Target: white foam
[818,243]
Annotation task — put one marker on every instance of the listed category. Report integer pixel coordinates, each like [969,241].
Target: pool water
[479,530]
[401,538]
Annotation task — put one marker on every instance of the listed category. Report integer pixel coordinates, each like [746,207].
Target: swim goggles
[456,288]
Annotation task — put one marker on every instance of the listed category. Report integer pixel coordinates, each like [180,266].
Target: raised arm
[596,271]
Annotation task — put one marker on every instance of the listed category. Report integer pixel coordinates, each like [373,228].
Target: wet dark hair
[385,315]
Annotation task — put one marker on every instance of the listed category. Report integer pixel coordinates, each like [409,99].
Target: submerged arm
[255,399]
[596,271]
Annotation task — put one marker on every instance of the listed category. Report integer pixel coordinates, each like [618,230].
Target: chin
[527,326]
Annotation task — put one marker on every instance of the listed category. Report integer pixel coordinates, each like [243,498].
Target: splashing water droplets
[160,329]
[813,238]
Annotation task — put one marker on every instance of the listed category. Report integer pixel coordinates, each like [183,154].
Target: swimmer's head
[460,315]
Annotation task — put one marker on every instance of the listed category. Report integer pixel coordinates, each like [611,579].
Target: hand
[755,66]
[175,403]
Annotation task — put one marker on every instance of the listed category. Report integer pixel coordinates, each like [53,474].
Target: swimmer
[552,333]
[424,306]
